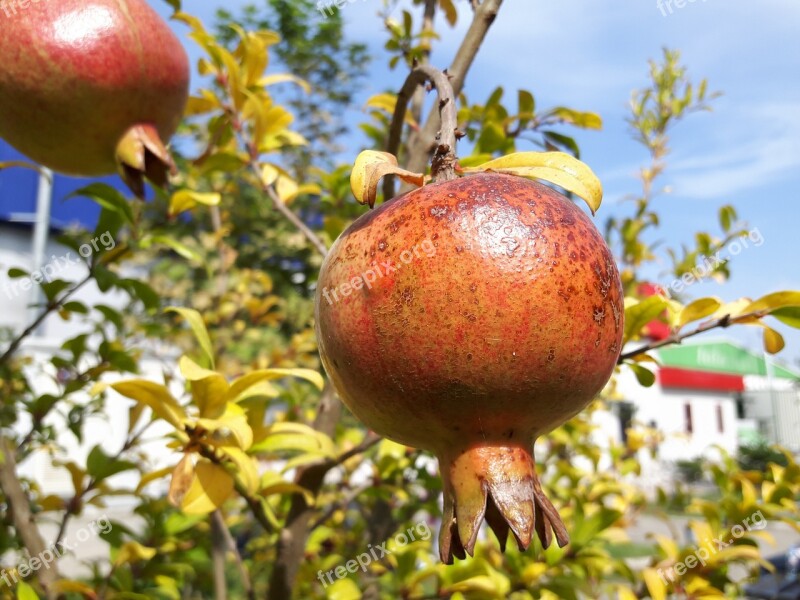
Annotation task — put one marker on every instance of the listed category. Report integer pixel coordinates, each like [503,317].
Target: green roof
[721,357]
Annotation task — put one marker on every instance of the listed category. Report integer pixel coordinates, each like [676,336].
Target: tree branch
[24,524]
[677,338]
[425,142]
[51,306]
[444,158]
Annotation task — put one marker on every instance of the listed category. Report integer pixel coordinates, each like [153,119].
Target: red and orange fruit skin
[77,75]
[509,326]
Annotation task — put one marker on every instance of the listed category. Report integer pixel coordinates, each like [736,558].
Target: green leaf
[644,376]
[26,592]
[107,197]
[143,292]
[198,326]
[640,314]
[585,120]
[789,316]
[101,466]
[179,247]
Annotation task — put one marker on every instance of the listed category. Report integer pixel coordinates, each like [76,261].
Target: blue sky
[590,54]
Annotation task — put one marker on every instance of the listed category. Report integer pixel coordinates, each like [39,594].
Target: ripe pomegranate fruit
[467,318]
[88,87]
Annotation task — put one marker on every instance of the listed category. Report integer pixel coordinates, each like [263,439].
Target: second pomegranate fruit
[89,87]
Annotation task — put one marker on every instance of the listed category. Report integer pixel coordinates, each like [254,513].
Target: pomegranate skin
[509,326]
[77,75]
[467,318]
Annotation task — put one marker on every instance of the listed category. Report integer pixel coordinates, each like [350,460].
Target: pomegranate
[469,317]
[88,87]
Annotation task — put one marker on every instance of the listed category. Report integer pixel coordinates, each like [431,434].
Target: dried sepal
[370,167]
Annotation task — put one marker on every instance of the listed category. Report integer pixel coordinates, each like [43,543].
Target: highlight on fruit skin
[93,87]
[508,327]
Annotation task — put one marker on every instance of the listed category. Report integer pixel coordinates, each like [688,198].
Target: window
[687,413]
[720,420]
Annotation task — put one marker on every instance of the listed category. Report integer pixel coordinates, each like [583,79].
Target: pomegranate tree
[508,323]
[89,87]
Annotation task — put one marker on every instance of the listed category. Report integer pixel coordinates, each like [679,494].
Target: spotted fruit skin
[76,75]
[505,322]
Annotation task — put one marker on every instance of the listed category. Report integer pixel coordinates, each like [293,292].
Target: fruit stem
[498,482]
[443,165]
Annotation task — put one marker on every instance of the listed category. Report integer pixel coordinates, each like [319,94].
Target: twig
[280,205]
[355,493]
[231,545]
[218,544]
[51,306]
[24,524]
[425,142]
[74,504]
[677,338]
[444,158]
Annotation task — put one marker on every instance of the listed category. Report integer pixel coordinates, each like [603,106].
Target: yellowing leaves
[210,487]
[372,166]
[156,396]
[184,200]
[556,167]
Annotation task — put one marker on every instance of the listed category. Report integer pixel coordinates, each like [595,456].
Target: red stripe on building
[671,377]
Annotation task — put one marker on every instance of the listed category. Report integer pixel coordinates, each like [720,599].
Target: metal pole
[41,233]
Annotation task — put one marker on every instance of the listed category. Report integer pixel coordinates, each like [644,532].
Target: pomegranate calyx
[498,483]
[142,155]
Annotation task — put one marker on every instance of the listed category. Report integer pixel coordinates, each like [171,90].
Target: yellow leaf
[774,301]
[155,396]
[26,592]
[387,103]
[372,166]
[64,586]
[625,593]
[656,587]
[296,437]
[229,428]
[199,329]
[246,468]
[133,552]
[241,388]
[211,487]
[183,200]
[343,589]
[556,167]
[182,477]
[282,78]
[209,388]
[773,341]
[151,477]
[449,11]
[699,309]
